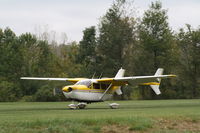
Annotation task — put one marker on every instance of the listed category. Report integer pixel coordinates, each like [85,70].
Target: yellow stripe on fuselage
[85,88]
[111,80]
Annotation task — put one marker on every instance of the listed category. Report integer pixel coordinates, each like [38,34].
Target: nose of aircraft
[74,87]
[67,89]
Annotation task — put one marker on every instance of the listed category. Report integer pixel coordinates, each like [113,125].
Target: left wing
[74,80]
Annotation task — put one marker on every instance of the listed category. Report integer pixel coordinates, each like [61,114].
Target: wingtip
[172,75]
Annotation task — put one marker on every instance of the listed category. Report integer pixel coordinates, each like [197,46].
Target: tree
[87,51]
[158,48]
[8,52]
[67,59]
[189,42]
[9,66]
[36,59]
[116,33]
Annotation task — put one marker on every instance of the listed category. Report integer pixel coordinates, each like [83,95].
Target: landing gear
[78,106]
[82,105]
[72,106]
[114,105]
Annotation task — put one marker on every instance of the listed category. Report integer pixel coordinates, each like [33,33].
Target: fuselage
[88,90]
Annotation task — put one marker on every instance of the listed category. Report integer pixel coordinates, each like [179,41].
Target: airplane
[86,90]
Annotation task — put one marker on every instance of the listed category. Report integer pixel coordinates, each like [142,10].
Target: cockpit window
[86,82]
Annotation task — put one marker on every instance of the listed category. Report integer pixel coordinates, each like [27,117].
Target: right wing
[143,80]
[153,81]
[135,80]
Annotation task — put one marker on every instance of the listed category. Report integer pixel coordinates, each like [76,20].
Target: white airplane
[97,90]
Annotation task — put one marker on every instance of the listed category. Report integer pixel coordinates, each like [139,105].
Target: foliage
[115,36]
[87,52]
[158,47]
[9,91]
[119,40]
[44,94]
[189,42]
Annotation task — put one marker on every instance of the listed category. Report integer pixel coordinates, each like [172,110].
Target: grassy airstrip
[156,116]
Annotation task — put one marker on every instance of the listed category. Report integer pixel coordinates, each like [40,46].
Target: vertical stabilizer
[156,87]
[159,72]
[119,74]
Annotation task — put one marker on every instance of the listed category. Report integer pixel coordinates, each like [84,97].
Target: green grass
[141,116]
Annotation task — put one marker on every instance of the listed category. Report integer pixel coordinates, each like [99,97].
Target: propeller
[57,91]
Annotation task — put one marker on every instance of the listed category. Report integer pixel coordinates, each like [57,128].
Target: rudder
[155,88]
[119,74]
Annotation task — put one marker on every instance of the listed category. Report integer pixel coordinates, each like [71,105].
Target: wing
[74,80]
[135,80]
[143,80]
[153,81]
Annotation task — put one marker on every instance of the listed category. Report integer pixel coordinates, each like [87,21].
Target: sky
[73,16]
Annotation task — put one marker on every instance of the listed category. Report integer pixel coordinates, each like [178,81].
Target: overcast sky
[73,16]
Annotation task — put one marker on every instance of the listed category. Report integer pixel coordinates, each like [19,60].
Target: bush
[27,99]
[169,94]
[44,94]
[9,91]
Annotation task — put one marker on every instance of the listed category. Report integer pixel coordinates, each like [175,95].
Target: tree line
[139,45]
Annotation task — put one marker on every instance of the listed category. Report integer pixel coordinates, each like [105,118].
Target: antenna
[93,75]
[101,75]
[121,66]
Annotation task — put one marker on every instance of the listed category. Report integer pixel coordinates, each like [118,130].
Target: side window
[104,86]
[96,86]
[100,86]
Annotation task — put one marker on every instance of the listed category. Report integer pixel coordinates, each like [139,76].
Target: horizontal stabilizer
[156,89]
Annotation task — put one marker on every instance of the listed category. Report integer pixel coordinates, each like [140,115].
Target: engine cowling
[67,89]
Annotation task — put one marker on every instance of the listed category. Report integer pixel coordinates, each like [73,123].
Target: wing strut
[105,92]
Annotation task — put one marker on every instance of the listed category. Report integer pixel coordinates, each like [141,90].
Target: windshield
[86,82]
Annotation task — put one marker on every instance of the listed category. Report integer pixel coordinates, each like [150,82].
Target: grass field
[149,116]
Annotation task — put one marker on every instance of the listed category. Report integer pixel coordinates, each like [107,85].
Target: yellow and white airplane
[97,90]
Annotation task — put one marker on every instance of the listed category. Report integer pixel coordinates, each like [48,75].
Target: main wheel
[82,105]
[114,105]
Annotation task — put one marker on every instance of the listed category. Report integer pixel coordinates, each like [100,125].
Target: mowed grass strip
[132,116]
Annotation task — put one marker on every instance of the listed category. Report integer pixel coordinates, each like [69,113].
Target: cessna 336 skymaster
[97,90]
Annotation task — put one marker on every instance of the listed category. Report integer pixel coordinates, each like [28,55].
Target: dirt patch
[179,125]
[186,125]
[116,129]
